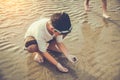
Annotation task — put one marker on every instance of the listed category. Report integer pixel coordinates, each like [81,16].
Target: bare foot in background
[86,5]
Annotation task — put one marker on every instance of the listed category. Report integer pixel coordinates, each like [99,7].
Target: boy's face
[56,33]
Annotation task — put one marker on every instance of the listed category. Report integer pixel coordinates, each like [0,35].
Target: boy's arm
[49,58]
[64,50]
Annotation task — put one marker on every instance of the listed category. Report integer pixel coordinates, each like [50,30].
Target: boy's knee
[31,44]
[32,48]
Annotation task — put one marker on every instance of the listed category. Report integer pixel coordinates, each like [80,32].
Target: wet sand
[94,40]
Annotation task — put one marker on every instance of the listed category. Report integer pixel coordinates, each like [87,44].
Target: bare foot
[105,15]
[38,58]
[61,68]
[87,8]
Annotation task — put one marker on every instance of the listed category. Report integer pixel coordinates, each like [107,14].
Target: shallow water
[94,40]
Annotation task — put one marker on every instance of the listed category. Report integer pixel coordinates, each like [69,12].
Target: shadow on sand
[1,76]
[73,74]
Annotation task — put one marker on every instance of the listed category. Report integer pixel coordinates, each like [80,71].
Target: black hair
[61,21]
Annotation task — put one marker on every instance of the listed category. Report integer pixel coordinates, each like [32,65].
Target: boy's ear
[51,28]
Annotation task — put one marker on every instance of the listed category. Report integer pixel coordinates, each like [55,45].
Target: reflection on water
[13,11]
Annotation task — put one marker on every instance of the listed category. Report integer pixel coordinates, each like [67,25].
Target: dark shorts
[28,43]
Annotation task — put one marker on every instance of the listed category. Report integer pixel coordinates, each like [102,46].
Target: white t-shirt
[39,31]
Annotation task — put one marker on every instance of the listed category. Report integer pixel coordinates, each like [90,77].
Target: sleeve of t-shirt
[59,38]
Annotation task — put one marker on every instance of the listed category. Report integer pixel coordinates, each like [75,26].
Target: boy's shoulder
[43,19]
[40,21]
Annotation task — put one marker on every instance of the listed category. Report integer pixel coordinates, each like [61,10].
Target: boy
[47,34]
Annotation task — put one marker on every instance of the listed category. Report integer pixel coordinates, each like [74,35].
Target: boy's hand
[72,58]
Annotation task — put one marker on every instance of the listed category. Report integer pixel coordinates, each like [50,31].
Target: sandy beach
[94,40]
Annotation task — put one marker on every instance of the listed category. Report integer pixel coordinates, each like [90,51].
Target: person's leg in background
[86,5]
[104,7]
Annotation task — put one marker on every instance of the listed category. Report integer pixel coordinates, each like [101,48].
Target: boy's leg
[33,48]
[53,46]
[104,7]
